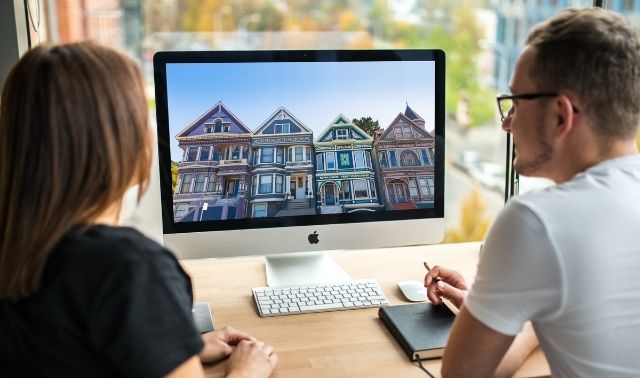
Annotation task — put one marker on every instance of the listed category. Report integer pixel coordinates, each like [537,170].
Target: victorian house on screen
[345,176]
[282,167]
[405,163]
[214,176]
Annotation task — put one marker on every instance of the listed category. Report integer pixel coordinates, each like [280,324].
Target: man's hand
[221,343]
[251,359]
[445,283]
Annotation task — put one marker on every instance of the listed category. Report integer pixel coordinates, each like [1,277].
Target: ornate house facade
[282,174]
[214,176]
[405,163]
[345,176]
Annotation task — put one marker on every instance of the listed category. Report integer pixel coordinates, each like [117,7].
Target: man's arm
[473,349]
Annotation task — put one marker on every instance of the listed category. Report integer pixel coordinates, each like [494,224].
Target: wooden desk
[351,343]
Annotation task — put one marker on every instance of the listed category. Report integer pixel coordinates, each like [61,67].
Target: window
[393,158]
[424,186]
[266,184]
[235,154]
[255,185]
[320,162]
[372,185]
[217,126]
[211,184]
[413,187]
[199,186]
[279,155]
[192,153]
[360,189]
[358,158]
[282,128]
[308,153]
[298,150]
[425,157]
[382,157]
[397,132]
[204,153]
[243,25]
[408,158]
[259,210]
[186,183]
[266,155]
[215,153]
[331,160]
[344,160]
[181,210]
[279,183]
[345,190]
[342,134]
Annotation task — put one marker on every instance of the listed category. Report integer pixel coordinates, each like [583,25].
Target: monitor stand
[294,269]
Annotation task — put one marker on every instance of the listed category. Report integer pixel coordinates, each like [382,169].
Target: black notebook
[421,329]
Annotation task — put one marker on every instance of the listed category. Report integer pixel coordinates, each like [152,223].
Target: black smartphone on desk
[202,317]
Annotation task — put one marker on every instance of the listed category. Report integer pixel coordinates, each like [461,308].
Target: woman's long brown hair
[74,135]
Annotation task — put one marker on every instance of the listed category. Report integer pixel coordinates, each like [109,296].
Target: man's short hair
[594,54]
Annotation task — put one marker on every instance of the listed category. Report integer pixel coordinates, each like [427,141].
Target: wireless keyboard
[276,301]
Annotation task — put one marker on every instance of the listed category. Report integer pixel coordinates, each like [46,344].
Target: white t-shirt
[568,258]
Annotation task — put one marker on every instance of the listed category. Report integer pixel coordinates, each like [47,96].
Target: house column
[288,185]
[309,183]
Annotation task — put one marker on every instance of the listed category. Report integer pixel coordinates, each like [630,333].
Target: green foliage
[474,223]
[174,176]
[367,124]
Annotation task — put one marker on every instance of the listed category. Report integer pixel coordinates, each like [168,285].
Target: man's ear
[565,115]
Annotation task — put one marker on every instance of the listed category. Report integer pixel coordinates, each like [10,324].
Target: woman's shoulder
[107,246]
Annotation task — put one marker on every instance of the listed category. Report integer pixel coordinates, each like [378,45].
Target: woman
[80,296]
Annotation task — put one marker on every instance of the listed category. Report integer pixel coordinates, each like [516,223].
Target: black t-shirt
[112,303]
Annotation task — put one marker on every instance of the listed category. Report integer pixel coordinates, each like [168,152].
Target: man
[565,259]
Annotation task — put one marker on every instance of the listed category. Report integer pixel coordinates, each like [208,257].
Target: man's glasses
[505,102]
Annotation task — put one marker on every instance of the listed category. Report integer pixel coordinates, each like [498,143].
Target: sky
[313,92]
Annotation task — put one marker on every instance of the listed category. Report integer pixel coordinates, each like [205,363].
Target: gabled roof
[219,109]
[341,121]
[401,117]
[412,115]
[281,113]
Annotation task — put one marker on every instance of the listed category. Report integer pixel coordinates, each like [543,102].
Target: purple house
[214,176]
[405,162]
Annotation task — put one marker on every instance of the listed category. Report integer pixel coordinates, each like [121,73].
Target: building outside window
[485,36]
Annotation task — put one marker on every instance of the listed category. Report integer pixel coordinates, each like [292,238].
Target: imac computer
[281,152]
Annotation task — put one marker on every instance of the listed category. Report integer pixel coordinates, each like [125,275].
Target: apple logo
[313,238]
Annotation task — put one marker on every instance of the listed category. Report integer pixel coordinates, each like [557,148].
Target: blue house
[345,176]
[283,171]
[215,172]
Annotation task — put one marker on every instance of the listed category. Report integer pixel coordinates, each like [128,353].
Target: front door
[300,191]
[232,188]
[330,191]
[397,193]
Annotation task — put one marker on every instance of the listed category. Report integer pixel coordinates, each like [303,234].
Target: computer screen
[266,152]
